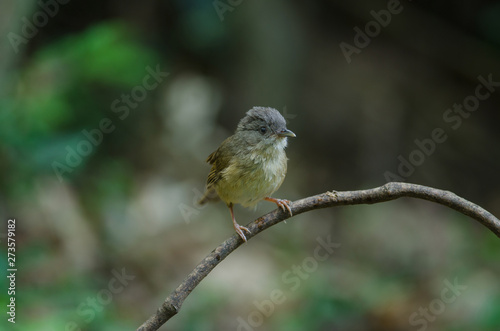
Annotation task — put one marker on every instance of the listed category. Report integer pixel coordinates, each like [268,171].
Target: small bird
[250,165]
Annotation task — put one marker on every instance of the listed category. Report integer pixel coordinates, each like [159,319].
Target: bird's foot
[239,231]
[282,203]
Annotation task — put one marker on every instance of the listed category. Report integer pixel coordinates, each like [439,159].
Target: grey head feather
[258,116]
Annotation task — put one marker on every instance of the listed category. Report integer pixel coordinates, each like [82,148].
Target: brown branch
[387,192]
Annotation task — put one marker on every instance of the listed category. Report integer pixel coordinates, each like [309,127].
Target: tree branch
[387,192]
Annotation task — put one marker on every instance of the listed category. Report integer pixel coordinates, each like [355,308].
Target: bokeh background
[121,202]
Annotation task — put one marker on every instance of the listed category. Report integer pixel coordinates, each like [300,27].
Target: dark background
[127,204]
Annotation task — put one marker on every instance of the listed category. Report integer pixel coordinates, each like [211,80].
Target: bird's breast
[252,176]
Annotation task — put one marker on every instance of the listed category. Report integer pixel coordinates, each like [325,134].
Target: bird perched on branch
[250,165]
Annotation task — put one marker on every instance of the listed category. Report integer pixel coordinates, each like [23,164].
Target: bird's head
[264,126]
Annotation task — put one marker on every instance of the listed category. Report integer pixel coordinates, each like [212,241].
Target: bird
[250,165]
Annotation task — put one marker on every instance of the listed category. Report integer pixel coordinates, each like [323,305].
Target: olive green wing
[219,162]
[214,175]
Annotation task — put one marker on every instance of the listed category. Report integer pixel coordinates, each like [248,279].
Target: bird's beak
[286,133]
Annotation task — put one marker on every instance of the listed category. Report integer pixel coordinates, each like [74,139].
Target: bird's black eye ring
[263,129]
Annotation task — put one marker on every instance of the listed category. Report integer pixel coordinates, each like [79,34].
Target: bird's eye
[263,129]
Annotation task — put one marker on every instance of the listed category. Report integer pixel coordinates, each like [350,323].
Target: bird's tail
[209,196]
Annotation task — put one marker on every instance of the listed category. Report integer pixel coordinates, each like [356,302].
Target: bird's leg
[282,203]
[238,227]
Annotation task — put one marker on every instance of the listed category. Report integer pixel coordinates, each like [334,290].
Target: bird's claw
[285,205]
[282,203]
[238,229]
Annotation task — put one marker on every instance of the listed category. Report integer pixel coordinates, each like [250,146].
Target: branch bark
[387,192]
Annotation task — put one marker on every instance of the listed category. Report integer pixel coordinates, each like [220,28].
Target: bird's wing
[212,157]
[213,177]
[219,162]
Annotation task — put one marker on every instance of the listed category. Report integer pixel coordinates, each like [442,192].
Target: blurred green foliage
[63,89]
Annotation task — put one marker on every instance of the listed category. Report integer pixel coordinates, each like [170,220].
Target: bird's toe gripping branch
[282,203]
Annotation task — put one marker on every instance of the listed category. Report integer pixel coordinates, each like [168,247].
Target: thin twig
[387,192]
